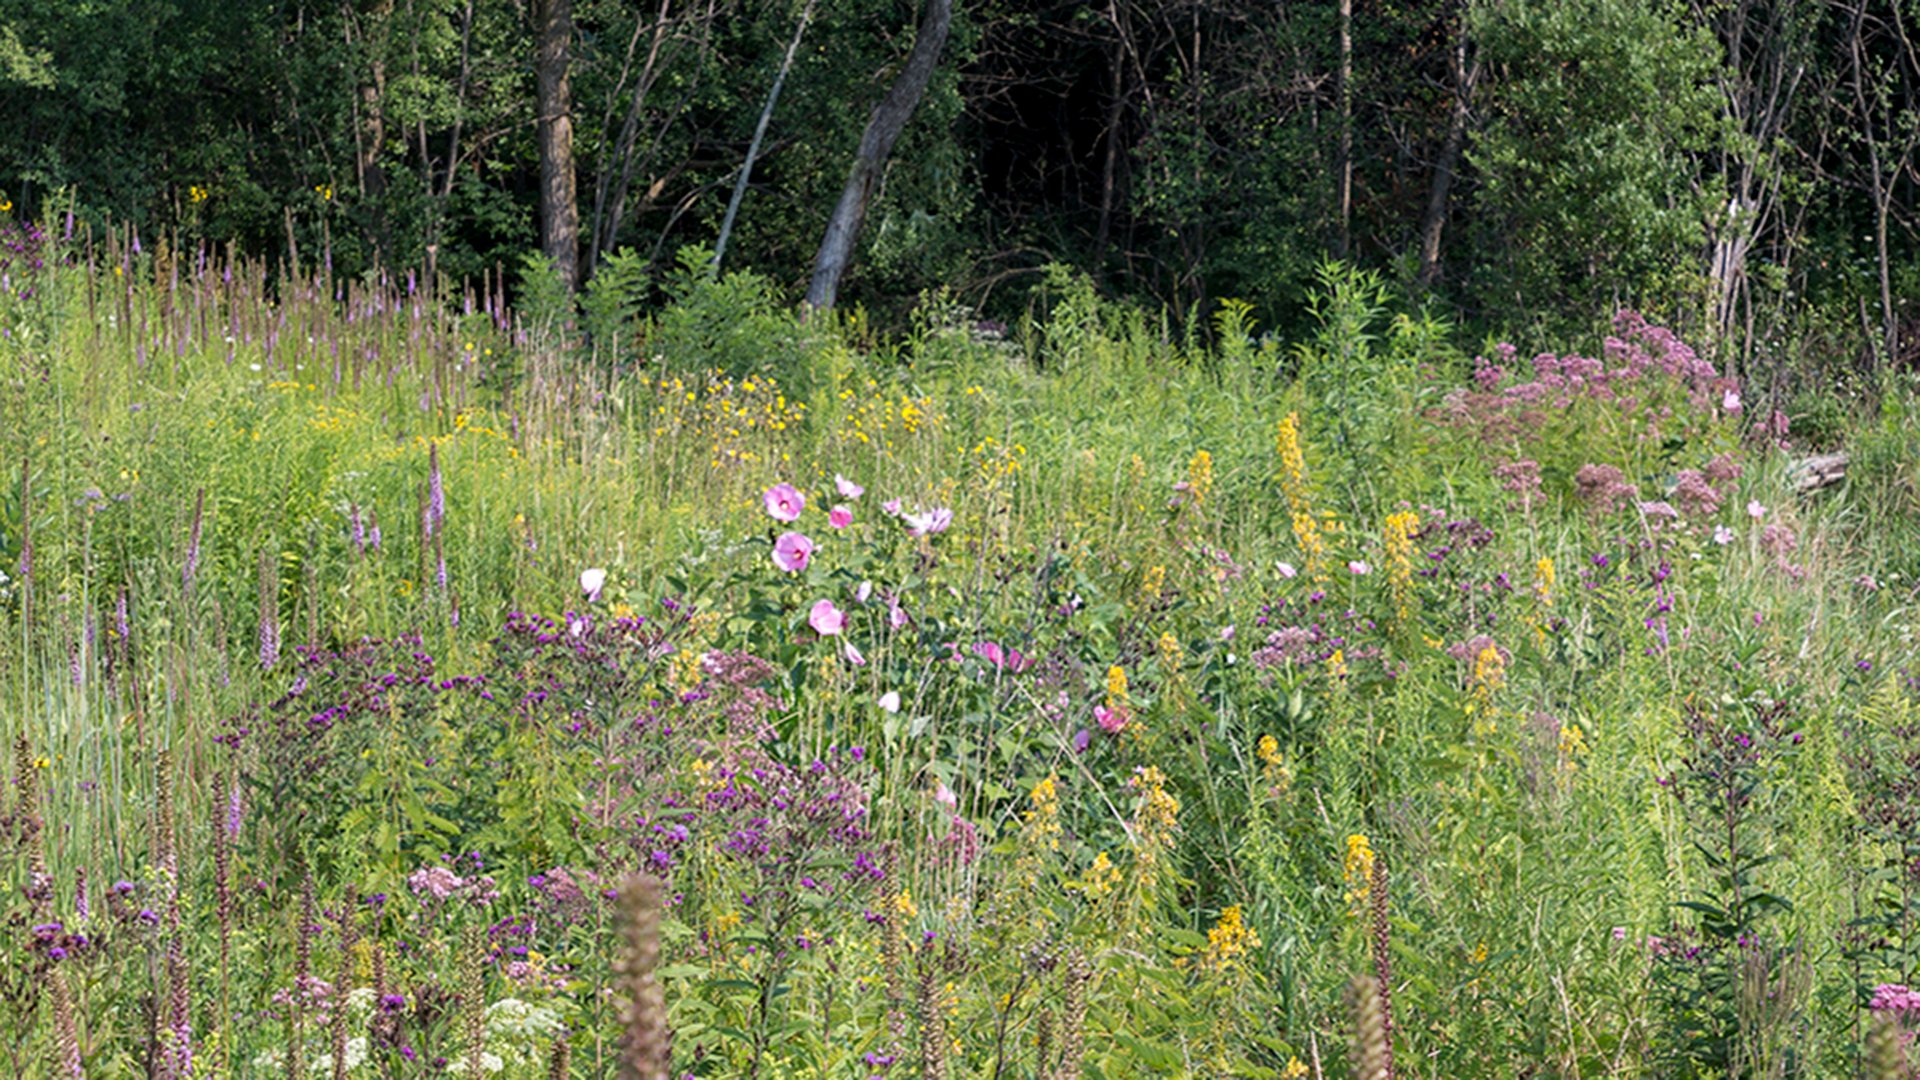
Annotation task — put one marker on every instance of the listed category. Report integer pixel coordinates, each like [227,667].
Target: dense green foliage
[1742,168]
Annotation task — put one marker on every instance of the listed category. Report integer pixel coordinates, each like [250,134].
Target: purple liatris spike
[269,641]
[359,528]
[191,567]
[436,491]
[236,810]
[122,622]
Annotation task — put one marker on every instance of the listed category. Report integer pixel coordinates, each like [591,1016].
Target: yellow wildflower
[1269,750]
[1152,582]
[1102,877]
[1200,477]
[1295,1068]
[1229,938]
[1398,543]
[1359,871]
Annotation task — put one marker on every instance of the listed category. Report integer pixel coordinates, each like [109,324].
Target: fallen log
[1810,474]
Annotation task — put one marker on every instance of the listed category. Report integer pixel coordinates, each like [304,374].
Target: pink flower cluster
[440,883]
[1646,376]
[1895,998]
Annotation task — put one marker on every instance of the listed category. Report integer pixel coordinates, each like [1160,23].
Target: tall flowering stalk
[933,1020]
[343,985]
[302,978]
[177,1053]
[1073,1020]
[1382,959]
[644,1050]
[473,998]
[1293,484]
[66,1032]
[269,635]
[190,566]
[24,568]
[1359,873]
[1372,1046]
[1397,542]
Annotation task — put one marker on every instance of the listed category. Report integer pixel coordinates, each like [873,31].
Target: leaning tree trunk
[559,207]
[883,127]
[1434,219]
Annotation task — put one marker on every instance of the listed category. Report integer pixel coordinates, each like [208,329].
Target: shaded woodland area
[1745,169]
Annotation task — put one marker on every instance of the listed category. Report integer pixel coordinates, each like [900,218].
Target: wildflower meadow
[408,676]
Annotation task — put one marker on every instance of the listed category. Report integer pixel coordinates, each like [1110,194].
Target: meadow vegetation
[1075,698]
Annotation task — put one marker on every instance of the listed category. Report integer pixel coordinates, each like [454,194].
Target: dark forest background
[1745,169]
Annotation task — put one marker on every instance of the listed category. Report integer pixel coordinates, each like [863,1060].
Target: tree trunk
[1434,220]
[370,129]
[759,133]
[883,127]
[1343,164]
[1116,111]
[559,207]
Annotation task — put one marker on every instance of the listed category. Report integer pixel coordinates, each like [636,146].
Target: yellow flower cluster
[1228,940]
[873,415]
[1043,817]
[196,193]
[1296,1069]
[1157,814]
[1269,750]
[1293,484]
[1398,545]
[1489,675]
[1200,477]
[1116,686]
[1278,774]
[1172,656]
[1543,581]
[1359,872]
[1573,747]
[1337,664]
[739,421]
[1101,878]
[1151,583]
[995,462]
[688,662]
